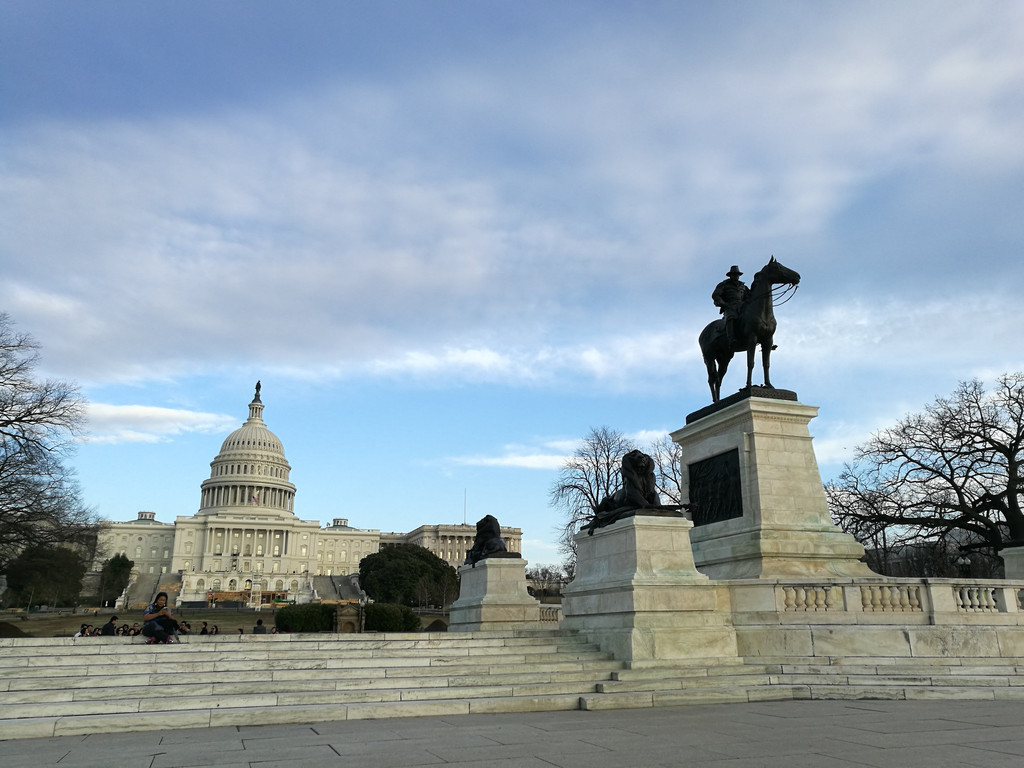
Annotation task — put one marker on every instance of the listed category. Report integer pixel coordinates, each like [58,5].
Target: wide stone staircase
[63,686]
[335,588]
[707,681]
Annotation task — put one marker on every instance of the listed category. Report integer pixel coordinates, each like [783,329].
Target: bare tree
[669,469]
[588,476]
[39,497]
[952,474]
[546,580]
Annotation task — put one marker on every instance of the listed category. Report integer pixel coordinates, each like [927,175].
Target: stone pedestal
[1013,563]
[758,454]
[638,594]
[492,595]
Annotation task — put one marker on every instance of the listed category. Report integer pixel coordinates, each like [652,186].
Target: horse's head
[774,273]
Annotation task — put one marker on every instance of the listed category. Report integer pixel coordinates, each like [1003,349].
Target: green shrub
[390,617]
[409,575]
[312,617]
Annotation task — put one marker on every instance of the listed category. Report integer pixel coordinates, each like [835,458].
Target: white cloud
[517,461]
[429,227]
[149,424]
[548,455]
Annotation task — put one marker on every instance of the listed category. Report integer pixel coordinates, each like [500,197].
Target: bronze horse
[755,325]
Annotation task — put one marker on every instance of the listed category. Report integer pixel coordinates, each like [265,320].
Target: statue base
[777,524]
[492,595]
[768,393]
[1013,562]
[639,596]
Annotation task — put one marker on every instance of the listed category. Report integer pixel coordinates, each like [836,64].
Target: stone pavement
[783,734]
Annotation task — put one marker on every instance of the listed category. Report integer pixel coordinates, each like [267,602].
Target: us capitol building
[245,544]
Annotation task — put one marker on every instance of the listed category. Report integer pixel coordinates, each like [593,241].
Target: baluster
[876,598]
[819,598]
[884,598]
[915,598]
[990,599]
[801,599]
[963,601]
[790,599]
[904,599]
[865,598]
[830,598]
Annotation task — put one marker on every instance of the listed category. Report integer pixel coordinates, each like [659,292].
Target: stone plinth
[492,595]
[783,528]
[638,594]
[1013,562]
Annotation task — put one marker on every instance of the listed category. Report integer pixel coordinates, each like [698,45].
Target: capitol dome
[253,436]
[250,474]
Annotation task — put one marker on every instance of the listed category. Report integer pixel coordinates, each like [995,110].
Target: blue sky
[452,237]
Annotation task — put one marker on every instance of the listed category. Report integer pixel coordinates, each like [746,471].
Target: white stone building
[245,544]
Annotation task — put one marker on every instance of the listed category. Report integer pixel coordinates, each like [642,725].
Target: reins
[783,294]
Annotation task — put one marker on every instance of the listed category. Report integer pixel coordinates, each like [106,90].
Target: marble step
[208,718]
[298,675]
[166,656]
[140,653]
[919,679]
[669,683]
[983,668]
[365,639]
[675,698]
[184,700]
[32,694]
[888,662]
[789,691]
[687,672]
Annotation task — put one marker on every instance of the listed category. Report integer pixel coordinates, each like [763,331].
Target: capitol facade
[246,545]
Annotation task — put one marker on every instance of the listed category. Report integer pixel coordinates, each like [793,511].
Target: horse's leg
[714,380]
[766,354]
[723,366]
[750,363]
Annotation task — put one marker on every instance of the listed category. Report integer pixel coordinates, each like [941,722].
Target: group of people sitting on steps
[159,626]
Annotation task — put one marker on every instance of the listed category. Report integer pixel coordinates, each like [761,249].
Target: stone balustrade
[878,600]
[550,613]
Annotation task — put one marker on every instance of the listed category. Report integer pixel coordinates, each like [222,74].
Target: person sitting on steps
[158,624]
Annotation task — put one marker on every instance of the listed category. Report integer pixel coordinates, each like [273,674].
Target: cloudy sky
[451,237]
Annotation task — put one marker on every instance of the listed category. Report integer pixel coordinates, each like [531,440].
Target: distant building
[245,543]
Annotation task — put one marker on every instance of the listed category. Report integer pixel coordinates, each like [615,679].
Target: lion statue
[639,491]
[488,540]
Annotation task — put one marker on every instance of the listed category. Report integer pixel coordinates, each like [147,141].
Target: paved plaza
[784,734]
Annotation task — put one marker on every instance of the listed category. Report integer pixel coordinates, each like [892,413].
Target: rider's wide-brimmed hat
[734,271]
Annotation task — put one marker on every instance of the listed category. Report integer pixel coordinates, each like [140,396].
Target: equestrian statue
[747,321]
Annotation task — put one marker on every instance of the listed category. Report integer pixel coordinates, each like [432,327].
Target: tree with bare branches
[40,503]
[588,476]
[952,474]
[669,469]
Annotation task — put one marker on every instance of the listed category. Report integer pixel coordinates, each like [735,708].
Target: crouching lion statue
[639,492]
[488,542]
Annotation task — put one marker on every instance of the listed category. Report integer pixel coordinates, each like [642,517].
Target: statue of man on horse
[729,296]
[748,321]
